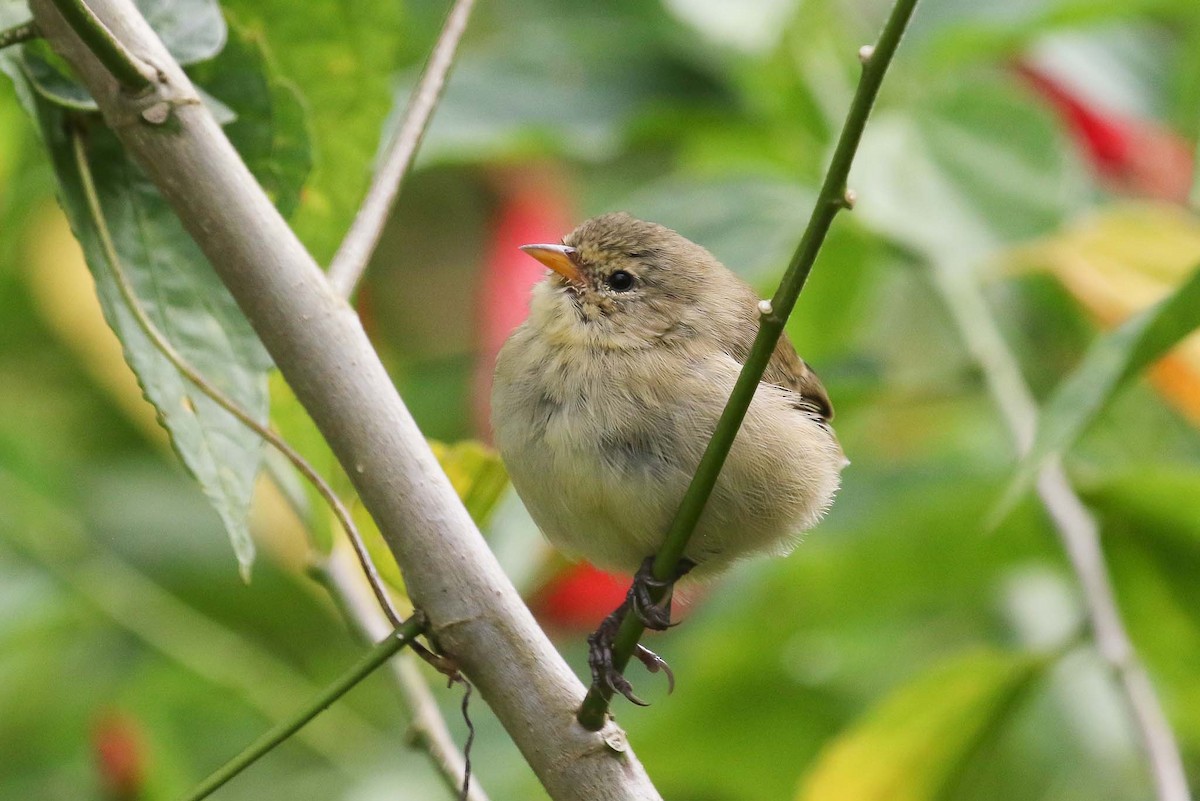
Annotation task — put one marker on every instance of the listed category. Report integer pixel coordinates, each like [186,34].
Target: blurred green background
[1039,152]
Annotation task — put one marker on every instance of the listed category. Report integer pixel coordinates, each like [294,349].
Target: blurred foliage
[900,653]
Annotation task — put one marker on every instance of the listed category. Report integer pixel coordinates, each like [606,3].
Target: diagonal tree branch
[1076,527]
[475,615]
[352,257]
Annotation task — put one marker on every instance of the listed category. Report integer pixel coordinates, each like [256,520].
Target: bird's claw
[655,615]
[600,659]
[654,663]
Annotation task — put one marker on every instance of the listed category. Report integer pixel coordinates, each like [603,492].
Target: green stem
[17,34]
[374,658]
[131,73]
[832,198]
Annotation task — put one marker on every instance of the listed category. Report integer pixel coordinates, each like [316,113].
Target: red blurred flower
[1137,157]
[120,755]
[533,206]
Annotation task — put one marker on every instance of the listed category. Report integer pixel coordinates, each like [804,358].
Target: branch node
[765,308]
[615,740]
[849,198]
[865,53]
[158,113]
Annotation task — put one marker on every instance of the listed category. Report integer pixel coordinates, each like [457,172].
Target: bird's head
[621,283]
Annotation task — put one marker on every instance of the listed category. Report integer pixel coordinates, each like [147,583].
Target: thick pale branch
[474,612]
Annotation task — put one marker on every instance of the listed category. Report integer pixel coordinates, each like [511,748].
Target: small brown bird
[607,395]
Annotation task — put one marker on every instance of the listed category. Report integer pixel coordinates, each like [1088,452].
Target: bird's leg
[655,616]
[600,655]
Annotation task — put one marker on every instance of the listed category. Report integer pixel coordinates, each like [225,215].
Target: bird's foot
[600,656]
[655,615]
[600,659]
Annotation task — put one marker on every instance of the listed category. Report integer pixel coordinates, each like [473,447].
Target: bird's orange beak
[559,258]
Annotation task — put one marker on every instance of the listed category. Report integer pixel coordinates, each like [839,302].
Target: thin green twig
[18,33]
[832,198]
[373,659]
[131,72]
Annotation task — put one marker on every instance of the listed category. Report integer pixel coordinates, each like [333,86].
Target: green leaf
[966,171]
[915,745]
[341,57]
[182,295]
[192,30]
[270,129]
[1114,359]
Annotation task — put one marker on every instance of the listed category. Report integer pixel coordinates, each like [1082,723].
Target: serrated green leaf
[182,295]
[1111,362]
[270,129]
[916,743]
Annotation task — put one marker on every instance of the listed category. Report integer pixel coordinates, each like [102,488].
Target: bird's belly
[602,466]
[597,488]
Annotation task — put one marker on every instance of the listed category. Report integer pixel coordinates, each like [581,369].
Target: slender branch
[131,73]
[476,615]
[427,728]
[164,346]
[832,198]
[1076,527]
[373,659]
[17,34]
[56,540]
[351,259]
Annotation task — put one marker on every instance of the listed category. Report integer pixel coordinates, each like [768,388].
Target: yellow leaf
[477,474]
[1121,261]
[915,744]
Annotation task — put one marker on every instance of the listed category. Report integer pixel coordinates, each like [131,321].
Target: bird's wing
[786,368]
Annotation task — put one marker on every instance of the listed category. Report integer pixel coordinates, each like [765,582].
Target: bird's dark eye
[621,281]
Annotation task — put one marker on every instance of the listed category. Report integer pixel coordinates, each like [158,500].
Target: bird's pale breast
[601,445]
